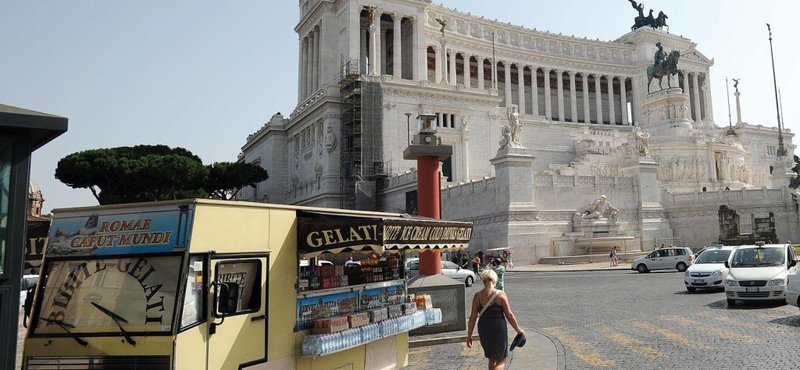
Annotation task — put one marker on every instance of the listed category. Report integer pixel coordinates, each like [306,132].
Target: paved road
[626,320]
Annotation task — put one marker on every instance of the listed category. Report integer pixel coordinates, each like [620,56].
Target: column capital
[557,71]
[396,16]
[571,73]
[546,70]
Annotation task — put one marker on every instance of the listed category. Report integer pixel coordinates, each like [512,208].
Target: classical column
[301,83]
[612,116]
[363,54]
[354,34]
[521,85]
[437,51]
[397,48]
[316,78]
[687,92]
[507,67]
[697,111]
[453,77]
[373,47]
[439,120]
[481,83]
[587,112]
[445,51]
[380,38]
[707,98]
[534,90]
[419,51]
[548,110]
[573,98]
[310,64]
[467,75]
[598,93]
[624,99]
[560,86]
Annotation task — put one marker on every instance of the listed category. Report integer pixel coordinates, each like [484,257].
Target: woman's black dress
[493,331]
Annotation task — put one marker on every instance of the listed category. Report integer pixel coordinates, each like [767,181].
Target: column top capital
[571,73]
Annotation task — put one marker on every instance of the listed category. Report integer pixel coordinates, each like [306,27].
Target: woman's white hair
[489,276]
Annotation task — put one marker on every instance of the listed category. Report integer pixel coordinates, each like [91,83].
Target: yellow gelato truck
[205,284]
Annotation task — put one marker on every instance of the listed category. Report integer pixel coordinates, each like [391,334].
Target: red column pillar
[428,194]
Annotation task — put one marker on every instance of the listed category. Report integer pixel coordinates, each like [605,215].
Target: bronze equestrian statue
[664,66]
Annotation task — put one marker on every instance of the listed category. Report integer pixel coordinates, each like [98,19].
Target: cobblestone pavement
[626,320]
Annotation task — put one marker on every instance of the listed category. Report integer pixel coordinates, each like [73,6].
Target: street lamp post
[408,126]
[781,149]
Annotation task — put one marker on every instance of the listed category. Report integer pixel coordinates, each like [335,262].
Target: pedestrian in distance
[476,264]
[497,266]
[492,311]
[613,257]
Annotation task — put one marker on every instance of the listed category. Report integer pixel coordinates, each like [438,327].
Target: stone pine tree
[225,179]
[145,173]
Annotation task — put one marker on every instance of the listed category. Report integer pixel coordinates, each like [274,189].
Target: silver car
[449,269]
[679,258]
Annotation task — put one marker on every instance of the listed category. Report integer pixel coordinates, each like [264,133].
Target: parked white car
[758,272]
[679,258]
[708,271]
[449,269]
[793,289]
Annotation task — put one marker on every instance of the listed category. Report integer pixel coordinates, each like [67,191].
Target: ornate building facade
[369,67]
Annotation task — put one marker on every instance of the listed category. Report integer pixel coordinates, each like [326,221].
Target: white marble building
[369,67]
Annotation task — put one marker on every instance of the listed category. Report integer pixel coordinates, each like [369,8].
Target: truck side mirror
[727,265]
[226,301]
[792,263]
[228,298]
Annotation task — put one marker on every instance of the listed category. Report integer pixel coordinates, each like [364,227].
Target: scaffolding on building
[362,167]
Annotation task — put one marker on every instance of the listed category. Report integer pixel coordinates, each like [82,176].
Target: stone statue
[601,209]
[736,83]
[371,14]
[515,128]
[464,123]
[505,132]
[444,25]
[330,140]
[640,141]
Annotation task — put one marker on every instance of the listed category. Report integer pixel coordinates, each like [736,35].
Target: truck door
[240,337]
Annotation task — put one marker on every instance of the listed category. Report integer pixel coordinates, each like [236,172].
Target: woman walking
[493,308]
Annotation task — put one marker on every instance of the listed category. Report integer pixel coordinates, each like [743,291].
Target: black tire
[468,282]
[681,267]
[690,289]
[731,302]
[641,268]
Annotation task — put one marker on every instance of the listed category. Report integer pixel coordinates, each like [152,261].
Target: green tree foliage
[225,179]
[146,173]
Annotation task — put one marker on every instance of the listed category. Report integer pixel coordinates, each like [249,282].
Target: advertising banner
[310,309]
[120,231]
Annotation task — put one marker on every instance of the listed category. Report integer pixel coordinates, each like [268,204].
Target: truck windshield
[758,257]
[136,294]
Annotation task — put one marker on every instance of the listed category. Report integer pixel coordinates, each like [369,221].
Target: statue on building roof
[736,83]
[442,22]
[371,14]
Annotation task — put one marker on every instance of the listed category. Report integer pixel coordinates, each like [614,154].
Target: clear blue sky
[205,74]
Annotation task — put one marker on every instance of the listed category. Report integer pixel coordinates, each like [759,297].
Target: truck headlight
[776,282]
[731,283]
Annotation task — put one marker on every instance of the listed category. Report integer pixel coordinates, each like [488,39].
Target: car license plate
[699,281]
[751,290]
